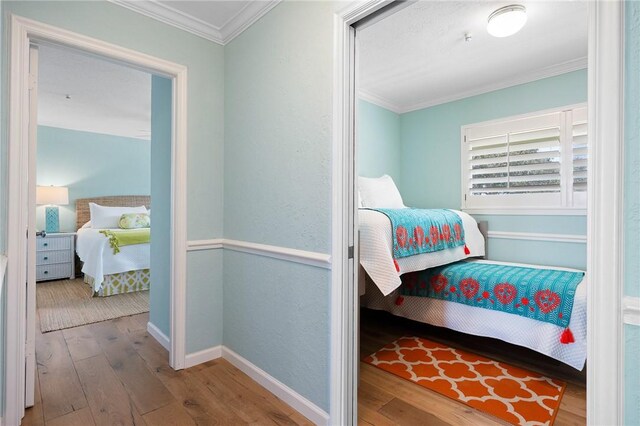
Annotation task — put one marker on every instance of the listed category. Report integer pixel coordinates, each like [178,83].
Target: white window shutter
[526,162]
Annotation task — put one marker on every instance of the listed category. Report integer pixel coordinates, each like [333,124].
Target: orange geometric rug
[513,394]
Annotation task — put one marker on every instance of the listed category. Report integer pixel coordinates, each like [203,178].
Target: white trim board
[276,387]
[191,359]
[344,273]
[203,356]
[365,95]
[535,236]
[528,211]
[222,35]
[631,310]
[551,71]
[311,258]
[605,249]
[157,334]
[212,244]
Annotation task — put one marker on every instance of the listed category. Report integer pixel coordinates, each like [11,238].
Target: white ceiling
[106,97]
[216,20]
[418,57]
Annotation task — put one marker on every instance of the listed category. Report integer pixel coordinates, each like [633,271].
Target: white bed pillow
[379,193]
[103,217]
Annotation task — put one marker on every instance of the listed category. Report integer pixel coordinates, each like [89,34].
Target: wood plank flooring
[115,373]
[385,399]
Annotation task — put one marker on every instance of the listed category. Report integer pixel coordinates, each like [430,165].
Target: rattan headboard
[82,205]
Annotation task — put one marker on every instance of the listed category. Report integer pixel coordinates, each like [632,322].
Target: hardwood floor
[385,399]
[115,373]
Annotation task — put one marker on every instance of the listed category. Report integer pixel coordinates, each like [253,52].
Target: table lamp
[52,196]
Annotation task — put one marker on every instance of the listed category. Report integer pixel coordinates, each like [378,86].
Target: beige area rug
[68,303]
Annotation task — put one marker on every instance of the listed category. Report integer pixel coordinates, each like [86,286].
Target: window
[528,163]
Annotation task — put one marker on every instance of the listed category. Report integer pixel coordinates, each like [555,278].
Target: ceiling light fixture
[507,20]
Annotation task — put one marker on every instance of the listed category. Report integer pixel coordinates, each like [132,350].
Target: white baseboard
[276,387]
[273,385]
[202,356]
[159,336]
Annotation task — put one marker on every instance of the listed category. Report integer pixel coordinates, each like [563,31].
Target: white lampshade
[58,195]
[507,20]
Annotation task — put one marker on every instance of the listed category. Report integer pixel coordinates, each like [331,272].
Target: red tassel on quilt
[399,300]
[466,250]
[567,337]
[395,263]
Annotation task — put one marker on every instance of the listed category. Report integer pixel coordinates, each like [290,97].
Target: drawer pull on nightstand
[45,244]
[46,272]
[46,258]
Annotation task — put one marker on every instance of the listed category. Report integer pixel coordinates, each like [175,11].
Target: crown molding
[176,18]
[245,18]
[379,101]
[552,71]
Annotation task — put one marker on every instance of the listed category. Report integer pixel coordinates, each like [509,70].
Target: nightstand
[55,256]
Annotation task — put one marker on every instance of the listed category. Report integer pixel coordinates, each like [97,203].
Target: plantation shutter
[531,162]
[579,146]
[517,157]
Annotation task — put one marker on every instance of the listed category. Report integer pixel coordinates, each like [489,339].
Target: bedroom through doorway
[99,270]
[471,150]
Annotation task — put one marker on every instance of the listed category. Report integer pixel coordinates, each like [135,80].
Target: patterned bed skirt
[124,282]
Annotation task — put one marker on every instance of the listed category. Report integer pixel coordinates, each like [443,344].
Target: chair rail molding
[631,310]
[310,258]
[536,236]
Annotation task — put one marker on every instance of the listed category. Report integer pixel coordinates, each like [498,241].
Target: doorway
[604,30]
[21,304]
[93,149]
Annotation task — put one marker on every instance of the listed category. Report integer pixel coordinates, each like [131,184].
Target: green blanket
[126,237]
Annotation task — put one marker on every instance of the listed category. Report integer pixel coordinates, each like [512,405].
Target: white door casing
[30,346]
[605,207]
[23,32]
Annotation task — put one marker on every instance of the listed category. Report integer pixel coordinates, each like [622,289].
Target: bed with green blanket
[114,261]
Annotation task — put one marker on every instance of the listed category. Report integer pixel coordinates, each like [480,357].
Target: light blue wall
[278,84]
[91,165]
[378,139]
[160,292]
[632,205]
[205,63]
[430,159]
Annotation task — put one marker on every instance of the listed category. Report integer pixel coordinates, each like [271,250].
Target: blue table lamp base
[52,221]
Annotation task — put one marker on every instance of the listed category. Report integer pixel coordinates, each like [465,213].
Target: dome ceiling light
[507,20]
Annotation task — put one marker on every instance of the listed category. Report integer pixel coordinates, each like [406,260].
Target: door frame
[23,32]
[604,215]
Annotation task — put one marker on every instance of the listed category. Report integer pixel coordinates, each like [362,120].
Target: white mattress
[539,336]
[376,250]
[94,250]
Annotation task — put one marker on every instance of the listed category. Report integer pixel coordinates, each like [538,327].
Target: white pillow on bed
[103,217]
[379,193]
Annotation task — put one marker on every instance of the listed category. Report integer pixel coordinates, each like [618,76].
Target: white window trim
[567,196]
